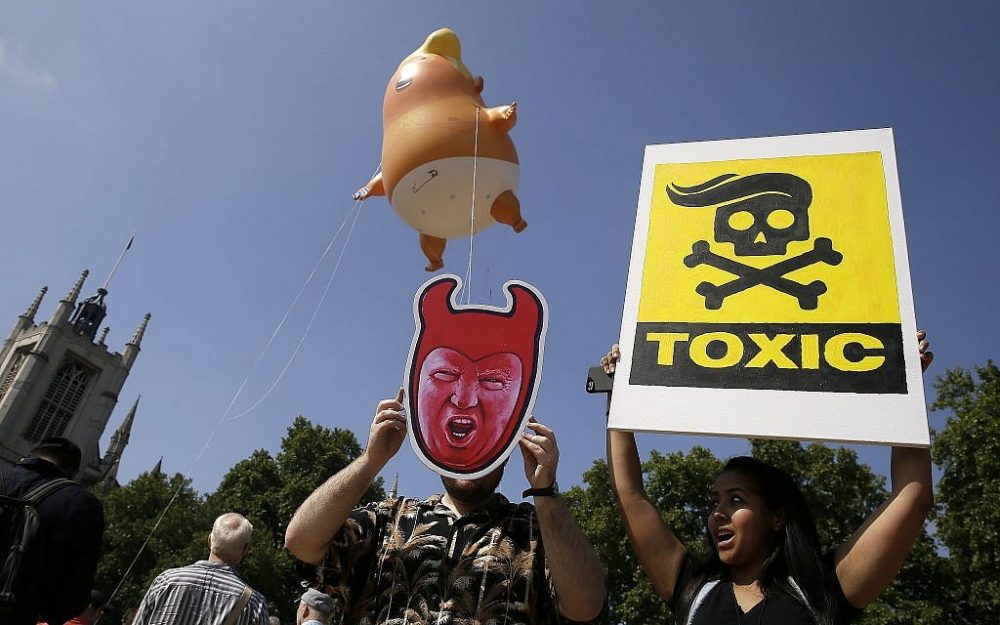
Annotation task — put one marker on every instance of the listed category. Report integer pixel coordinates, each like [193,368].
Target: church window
[60,401]
[16,362]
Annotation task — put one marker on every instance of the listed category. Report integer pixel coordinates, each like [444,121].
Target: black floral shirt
[409,561]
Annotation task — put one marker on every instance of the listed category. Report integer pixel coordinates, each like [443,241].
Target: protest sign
[769,293]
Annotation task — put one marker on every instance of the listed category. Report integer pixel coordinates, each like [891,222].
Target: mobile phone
[598,381]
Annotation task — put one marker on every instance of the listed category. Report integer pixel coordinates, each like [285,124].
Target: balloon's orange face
[427,78]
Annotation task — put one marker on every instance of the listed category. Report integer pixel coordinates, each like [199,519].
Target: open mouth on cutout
[461,429]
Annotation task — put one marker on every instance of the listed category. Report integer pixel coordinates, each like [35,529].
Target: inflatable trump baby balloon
[472,375]
[440,141]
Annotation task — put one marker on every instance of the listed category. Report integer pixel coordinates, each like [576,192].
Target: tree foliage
[309,455]
[267,490]
[130,513]
[968,523]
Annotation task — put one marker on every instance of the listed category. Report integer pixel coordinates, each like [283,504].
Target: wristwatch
[548,491]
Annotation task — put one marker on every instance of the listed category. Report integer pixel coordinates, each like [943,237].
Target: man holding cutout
[466,556]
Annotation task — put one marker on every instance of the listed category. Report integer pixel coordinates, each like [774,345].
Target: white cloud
[12,67]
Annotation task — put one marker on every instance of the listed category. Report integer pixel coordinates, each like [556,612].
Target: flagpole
[118,262]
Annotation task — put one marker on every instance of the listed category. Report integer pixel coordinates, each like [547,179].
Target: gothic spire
[394,489]
[119,440]
[140,331]
[75,291]
[104,335]
[33,307]
[65,307]
[24,321]
[131,351]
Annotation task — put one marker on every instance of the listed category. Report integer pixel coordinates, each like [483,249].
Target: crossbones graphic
[773,276]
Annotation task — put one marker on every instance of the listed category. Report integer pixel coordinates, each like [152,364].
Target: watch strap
[548,491]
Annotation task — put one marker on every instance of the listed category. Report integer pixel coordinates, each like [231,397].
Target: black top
[720,607]
[73,524]
[779,607]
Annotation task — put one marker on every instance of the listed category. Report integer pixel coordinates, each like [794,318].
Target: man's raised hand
[541,455]
[388,430]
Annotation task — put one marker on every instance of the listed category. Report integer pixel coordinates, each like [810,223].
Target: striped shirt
[203,593]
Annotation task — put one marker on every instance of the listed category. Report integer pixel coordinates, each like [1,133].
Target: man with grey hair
[208,592]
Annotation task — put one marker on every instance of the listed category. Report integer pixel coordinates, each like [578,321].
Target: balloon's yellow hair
[443,42]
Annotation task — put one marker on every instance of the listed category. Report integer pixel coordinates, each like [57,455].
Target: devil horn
[436,294]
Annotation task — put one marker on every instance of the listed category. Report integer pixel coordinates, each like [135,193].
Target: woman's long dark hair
[796,552]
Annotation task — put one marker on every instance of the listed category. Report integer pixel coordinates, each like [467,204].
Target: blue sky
[230,135]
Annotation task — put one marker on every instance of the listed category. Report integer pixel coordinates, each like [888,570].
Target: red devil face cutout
[472,375]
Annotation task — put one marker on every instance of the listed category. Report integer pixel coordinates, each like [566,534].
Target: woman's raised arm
[870,560]
[659,551]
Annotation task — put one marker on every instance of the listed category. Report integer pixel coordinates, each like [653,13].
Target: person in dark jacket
[72,523]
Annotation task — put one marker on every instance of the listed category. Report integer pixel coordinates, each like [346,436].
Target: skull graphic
[759,214]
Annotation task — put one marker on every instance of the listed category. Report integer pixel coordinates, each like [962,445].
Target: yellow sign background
[849,206]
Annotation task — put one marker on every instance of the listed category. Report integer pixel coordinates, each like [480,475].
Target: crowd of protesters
[469,555]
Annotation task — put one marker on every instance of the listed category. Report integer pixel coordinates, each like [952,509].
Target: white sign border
[408,372]
[857,418]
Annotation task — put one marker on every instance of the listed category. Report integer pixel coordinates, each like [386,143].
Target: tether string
[472,218]
[355,211]
[309,326]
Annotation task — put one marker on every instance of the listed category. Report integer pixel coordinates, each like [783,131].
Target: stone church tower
[58,379]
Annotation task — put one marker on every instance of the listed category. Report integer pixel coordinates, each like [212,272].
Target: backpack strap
[28,525]
[238,606]
[37,494]
[707,588]
[700,598]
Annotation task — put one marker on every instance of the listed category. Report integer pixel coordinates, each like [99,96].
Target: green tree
[268,489]
[131,512]
[309,455]
[968,523]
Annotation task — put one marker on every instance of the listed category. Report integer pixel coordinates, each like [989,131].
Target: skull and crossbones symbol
[760,215]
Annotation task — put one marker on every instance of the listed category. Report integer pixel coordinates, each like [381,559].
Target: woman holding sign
[765,563]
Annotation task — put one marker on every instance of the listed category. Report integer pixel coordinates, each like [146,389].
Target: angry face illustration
[472,375]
